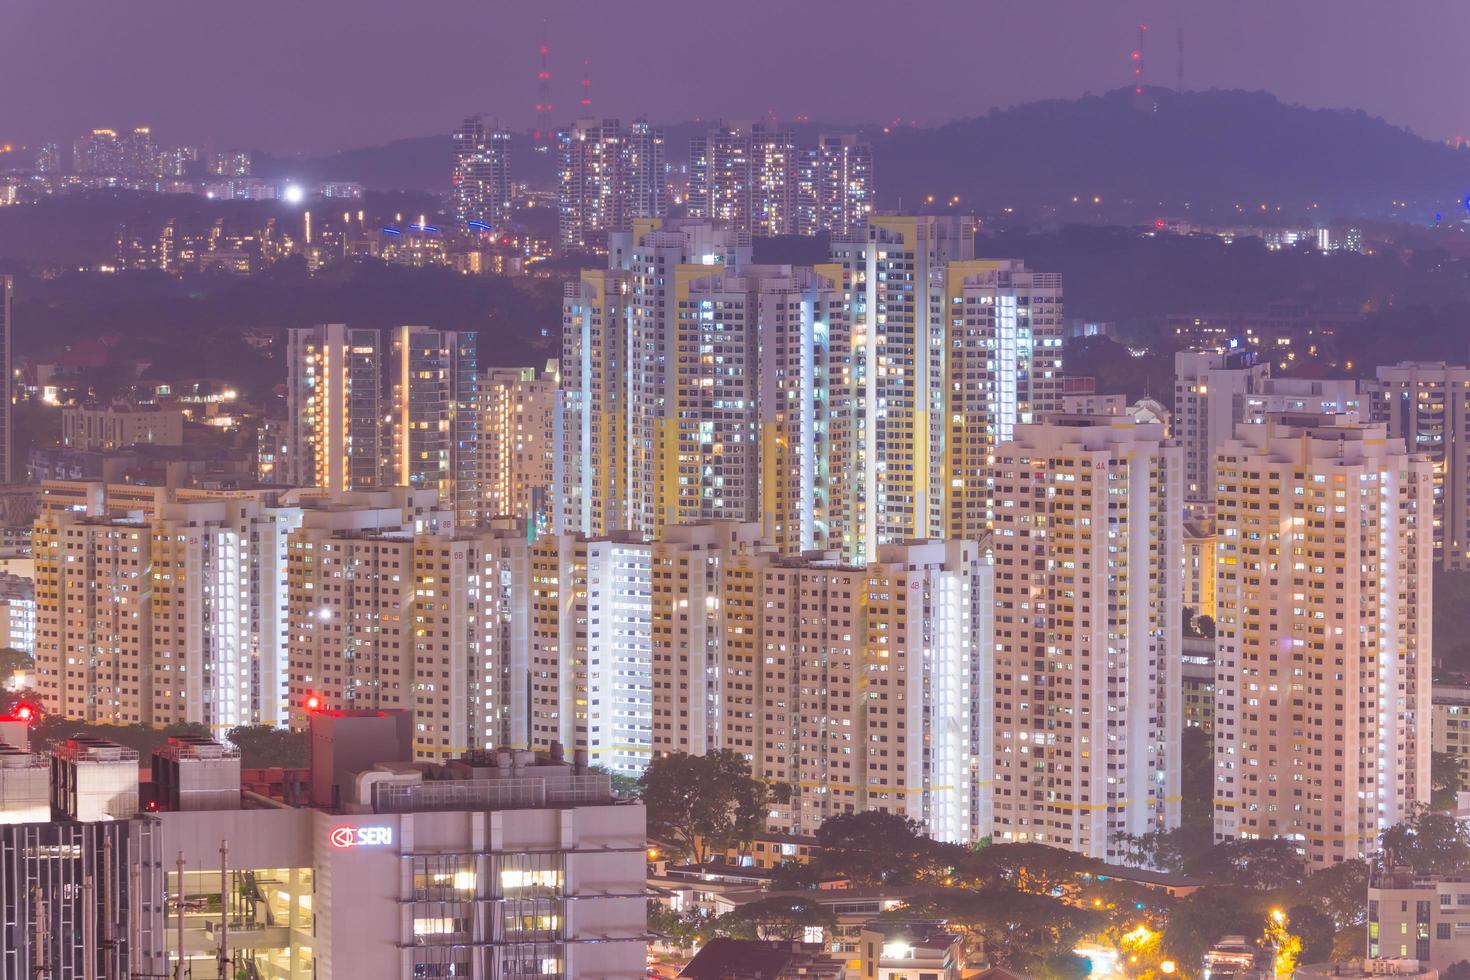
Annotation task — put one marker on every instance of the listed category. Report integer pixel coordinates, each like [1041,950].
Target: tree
[1014,929]
[1285,945]
[12,660]
[1428,842]
[623,787]
[703,804]
[51,731]
[1456,971]
[1340,891]
[783,919]
[793,876]
[1036,868]
[876,847]
[1316,929]
[1168,850]
[683,929]
[268,747]
[1200,919]
[1444,780]
[1260,864]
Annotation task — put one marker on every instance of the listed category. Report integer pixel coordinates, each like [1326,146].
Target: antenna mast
[543,92]
[1180,86]
[1138,60]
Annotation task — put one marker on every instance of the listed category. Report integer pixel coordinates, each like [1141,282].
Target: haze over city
[822,490]
[312,77]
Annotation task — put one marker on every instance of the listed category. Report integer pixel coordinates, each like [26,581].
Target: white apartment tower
[481,174]
[518,443]
[591,640]
[624,360]
[174,613]
[1427,405]
[1322,650]
[896,282]
[859,687]
[435,422]
[336,405]
[609,175]
[1210,394]
[590,457]
[834,182]
[1087,659]
[1005,331]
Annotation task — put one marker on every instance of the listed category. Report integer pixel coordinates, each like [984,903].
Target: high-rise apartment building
[1317,396]
[591,454]
[518,444]
[834,186]
[1210,392]
[591,648]
[755,177]
[749,428]
[1427,405]
[1086,667]
[859,687]
[336,406]
[647,171]
[624,337]
[139,153]
[592,194]
[389,608]
[1322,650]
[436,424]
[949,353]
[845,405]
[99,152]
[7,396]
[609,175]
[481,174]
[1004,335]
[173,612]
[720,178]
[895,278]
[773,181]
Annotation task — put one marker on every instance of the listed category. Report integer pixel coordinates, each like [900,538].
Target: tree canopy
[703,804]
[1428,842]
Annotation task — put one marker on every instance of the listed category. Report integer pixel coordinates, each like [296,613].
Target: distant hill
[1199,153]
[1163,154]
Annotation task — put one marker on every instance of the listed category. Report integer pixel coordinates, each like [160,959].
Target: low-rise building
[1450,735]
[120,426]
[498,864]
[1419,917]
[17,612]
[921,950]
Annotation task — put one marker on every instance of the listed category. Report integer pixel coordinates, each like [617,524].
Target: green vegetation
[51,732]
[701,805]
[267,747]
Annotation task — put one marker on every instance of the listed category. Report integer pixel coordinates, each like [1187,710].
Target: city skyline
[1396,63]
[811,491]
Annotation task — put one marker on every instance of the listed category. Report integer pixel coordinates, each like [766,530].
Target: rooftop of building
[723,958]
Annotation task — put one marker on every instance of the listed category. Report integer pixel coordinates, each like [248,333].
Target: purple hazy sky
[315,75]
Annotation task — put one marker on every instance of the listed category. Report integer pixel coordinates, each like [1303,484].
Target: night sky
[317,75]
